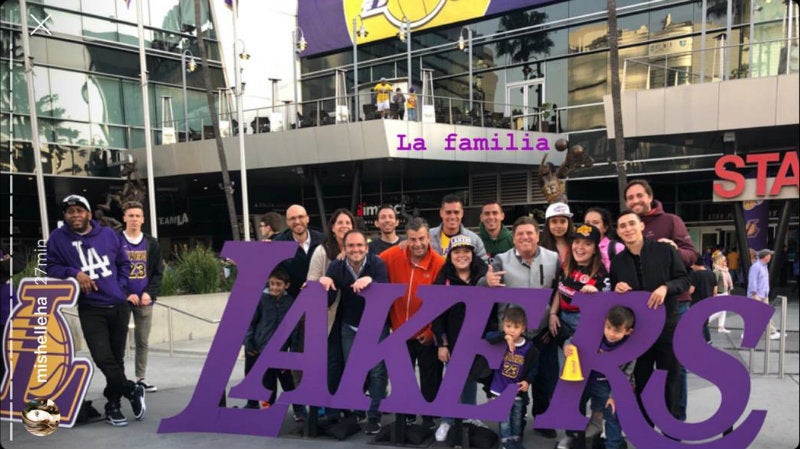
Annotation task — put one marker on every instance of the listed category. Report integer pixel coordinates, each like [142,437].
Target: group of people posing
[653,254]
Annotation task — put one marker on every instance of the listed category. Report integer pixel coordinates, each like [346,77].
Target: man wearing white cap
[758,285]
[94,256]
[383,92]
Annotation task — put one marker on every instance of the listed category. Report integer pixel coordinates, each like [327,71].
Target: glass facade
[86,80]
[557,56]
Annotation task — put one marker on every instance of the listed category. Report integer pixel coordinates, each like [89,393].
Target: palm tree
[522,48]
[616,100]
[223,161]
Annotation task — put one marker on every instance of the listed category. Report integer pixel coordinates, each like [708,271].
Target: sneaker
[252,405]
[299,417]
[372,427]
[547,433]
[137,402]
[722,330]
[147,387]
[265,404]
[476,423]
[361,417]
[114,415]
[427,423]
[441,432]
[564,443]
[410,419]
[511,444]
[775,335]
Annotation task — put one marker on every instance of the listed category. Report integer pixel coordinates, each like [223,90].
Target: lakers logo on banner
[38,352]
[383,17]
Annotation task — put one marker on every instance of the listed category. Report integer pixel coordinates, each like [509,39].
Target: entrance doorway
[524,100]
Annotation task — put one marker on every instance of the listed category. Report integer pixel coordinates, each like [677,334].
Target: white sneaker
[564,443]
[722,330]
[441,432]
[775,335]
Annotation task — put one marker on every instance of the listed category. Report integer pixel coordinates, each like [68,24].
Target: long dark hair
[330,244]
[548,240]
[477,268]
[595,264]
[605,217]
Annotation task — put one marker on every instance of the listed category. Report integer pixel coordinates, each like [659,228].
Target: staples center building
[497,84]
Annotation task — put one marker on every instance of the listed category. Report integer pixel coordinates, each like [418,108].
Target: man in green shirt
[496,238]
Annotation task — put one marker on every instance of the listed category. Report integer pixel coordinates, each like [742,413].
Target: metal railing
[170,309]
[768,345]
[333,110]
[752,60]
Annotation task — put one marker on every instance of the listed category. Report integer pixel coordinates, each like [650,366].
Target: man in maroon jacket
[659,225]
[665,228]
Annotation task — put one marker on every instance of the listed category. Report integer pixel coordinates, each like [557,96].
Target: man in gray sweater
[527,265]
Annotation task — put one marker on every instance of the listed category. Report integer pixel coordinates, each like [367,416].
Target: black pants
[661,356]
[271,377]
[430,368]
[106,330]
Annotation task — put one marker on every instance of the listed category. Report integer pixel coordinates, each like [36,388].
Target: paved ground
[176,377]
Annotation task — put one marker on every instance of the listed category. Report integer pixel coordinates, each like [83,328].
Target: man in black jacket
[648,265]
[349,277]
[308,239]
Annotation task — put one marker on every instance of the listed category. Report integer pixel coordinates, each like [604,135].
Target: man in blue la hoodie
[94,256]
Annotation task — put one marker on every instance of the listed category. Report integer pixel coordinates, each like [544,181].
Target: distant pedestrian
[758,285]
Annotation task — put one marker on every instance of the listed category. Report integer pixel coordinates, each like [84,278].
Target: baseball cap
[383,78]
[75,200]
[588,232]
[557,210]
[461,240]
[765,252]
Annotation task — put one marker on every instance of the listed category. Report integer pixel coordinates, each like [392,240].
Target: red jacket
[403,271]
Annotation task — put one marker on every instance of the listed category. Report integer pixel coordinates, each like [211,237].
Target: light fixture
[302,44]
[401,34]
[362,31]
[191,66]
[462,43]
[243,55]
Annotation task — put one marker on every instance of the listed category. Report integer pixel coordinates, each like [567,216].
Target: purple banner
[256,260]
[327,24]
[756,223]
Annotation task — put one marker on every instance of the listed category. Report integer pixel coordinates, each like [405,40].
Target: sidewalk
[176,377]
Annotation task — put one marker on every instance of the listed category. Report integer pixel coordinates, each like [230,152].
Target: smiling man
[495,237]
[307,240]
[656,267]
[452,212]
[94,256]
[349,277]
[387,223]
[528,265]
[414,264]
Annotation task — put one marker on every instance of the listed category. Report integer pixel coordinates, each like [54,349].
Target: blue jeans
[469,395]
[412,114]
[378,376]
[512,428]
[598,391]
[570,319]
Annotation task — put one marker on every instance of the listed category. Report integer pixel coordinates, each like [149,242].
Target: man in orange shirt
[415,264]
